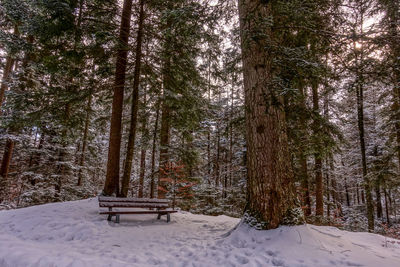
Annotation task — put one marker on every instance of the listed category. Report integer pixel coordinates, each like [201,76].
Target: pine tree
[271,198]
[111,185]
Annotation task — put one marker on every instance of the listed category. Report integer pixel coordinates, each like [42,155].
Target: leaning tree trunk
[112,177]
[134,108]
[271,197]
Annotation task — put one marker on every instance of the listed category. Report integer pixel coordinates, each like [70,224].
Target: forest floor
[74,234]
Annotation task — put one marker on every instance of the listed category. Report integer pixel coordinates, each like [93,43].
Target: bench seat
[160,206]
[138,212]
[132,205]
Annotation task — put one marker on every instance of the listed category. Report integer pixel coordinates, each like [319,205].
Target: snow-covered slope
[73,234]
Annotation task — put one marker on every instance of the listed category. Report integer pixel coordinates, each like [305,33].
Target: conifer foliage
[278,111]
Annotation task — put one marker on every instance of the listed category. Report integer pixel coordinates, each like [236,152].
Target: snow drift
[74,234]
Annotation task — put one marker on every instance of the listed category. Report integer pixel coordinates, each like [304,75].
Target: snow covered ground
[74,234]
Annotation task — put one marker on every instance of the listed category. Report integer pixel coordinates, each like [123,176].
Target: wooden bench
[160,206]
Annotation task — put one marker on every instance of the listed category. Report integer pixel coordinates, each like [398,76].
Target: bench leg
[117,218]
[109,215]
[168,217]
[159,216]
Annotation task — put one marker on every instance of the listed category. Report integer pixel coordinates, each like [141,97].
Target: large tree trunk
[271,197]
[111,185]
[134,108]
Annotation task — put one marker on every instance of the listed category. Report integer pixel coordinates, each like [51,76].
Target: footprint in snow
[241,259]
[277,262]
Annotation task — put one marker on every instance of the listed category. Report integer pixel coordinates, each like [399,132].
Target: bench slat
[138,212]
[131,199]
[132,205]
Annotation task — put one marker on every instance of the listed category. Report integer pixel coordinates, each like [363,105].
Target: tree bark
[4,82]
[153,151]
[165,108]
[143,149]
[164,143]
[84,139]
[367,186]
[270,189]
[5,163]
[303,158]
[319,190]
[394,44]
[6,73]
[134,108]
[111,185]
[378,198]
[386,206]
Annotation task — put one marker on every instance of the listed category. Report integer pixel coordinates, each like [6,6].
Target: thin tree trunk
[5,163]
[111,185]
[6,73]
[347,192]
[319,190]
[144,149]
[217,156]
[164,143]
[231,137]
[367,186]
[328,195]
[378,199]
[84,140]
[271,197]
[4,82]
[134,108]
[386,206]
[394,17]
[303,159]
[165,108]
[209,129]
[153,151]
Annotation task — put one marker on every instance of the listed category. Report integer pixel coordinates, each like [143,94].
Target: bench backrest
[131,199]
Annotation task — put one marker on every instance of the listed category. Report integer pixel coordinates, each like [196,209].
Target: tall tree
[271,197]
[134,108]
[111,185]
